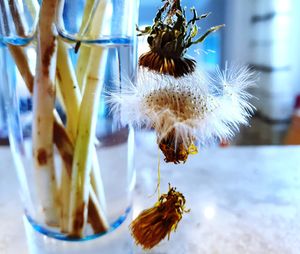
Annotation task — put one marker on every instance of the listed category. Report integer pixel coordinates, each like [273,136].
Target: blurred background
[264,34]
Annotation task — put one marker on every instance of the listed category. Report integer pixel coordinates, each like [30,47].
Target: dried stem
[69,88]
[84,146]
[66,158]
[95,213]
[18,19]
[62,140]
[43,105]
[60,137]
[33,7]
[6,25]
[66,149]
[84,52]
[84,55]
[85,142]
[21,61]
[72,98]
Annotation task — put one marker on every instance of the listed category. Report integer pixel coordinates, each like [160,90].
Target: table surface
[242,199]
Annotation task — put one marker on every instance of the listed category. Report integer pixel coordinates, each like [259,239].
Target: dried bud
[176,151]
[175,67]
[154,224]
[170,37]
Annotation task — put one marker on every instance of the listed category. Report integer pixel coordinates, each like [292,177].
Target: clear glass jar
[18,20]
[50,194]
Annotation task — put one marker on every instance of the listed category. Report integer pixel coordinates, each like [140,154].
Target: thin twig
[18,19]
[21,61]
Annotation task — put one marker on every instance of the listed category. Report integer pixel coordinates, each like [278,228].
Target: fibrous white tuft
[196,107]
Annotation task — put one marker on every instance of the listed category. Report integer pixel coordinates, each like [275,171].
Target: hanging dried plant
[196,108]
[169,38]
[154,224]
[186,107]
[183,104]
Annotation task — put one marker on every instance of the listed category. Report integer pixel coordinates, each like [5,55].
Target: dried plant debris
[169,38]
[155,223]
[192,110]
[177,151]
[185,105]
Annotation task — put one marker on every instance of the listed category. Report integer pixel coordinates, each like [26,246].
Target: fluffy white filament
[201,106]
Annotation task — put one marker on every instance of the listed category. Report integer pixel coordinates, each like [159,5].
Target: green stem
[71,99]
[84,55]
[85,141]
[84,147]
[84,52]
[68,87]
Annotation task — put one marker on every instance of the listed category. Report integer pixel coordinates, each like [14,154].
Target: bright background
[264,34]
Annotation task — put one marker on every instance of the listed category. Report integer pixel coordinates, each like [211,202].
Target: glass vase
[18,20]
[82,201]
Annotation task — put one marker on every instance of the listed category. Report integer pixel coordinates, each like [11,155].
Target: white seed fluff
[205,107]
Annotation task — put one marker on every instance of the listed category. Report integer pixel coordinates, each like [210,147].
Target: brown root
[177,66]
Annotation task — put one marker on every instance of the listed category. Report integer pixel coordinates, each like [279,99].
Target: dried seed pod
[182,103]
[195,108]
[155,223]
[176,151]
[176,67]
[170,37]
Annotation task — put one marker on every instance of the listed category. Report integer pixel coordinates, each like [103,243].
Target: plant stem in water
[43,105]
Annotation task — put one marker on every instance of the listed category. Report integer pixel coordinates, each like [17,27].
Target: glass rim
[119,39]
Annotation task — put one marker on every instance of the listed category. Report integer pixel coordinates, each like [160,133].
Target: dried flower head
[154,224]
[169,38]
[193,109]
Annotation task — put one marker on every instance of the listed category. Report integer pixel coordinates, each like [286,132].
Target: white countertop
[242,200]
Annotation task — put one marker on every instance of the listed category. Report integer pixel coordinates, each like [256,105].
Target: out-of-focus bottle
[3,125]
[293,135]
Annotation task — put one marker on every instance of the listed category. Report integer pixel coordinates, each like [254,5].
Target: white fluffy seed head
[198,105]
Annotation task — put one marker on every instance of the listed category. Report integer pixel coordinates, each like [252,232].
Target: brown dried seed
[155,223]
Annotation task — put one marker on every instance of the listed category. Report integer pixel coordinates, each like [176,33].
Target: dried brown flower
[176,67]
[176,151]
[169,38]
[155,223]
